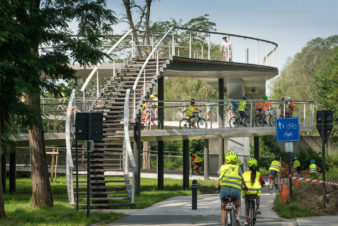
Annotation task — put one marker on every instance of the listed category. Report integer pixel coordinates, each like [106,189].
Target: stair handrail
[144,66]
[91,74]
[127,146]
[69,135]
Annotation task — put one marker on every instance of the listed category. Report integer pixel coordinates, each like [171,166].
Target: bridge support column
[137,153]
[256,149]
[186,164]
[206,159]
[160,144]
[12,170]
[220,119]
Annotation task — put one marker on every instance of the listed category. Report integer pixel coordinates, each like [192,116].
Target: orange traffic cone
[284,194]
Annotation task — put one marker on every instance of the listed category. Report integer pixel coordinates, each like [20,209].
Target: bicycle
[260,119]
[152,122]
[251,199]
[236,121]
[230,208]
[187,123]
[273,187]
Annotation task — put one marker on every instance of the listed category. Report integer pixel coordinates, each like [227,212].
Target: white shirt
[225,46]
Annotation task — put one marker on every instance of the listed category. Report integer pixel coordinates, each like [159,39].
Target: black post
[160,165]
[220,118]
[186,164]
[256,149]
[88,164]
[77,174]
[160,144]
[206,159]
[3,172]
[323,170]
[290,180]
[194,194]
[12,171]
[137,153]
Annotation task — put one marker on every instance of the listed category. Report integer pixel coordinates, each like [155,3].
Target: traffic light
[324,124]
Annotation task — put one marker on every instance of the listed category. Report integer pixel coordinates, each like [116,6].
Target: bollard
[194,194]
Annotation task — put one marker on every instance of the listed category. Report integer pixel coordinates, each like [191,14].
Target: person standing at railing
[282,107]
[289,107]
[226,49]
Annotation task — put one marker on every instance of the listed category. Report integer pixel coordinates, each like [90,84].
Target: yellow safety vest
[143,107]
[254,188]
[190,110]
[230,176]
[296,164]
[197,159]
[313,168]
[275,166]
[242,106]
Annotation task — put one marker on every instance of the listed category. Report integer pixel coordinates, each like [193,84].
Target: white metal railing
[95,69]
[69,134]
[127,150]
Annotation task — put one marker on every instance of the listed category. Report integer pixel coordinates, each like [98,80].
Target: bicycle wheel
[272,185]
[201,123]
[185,124]
[156,124]
[233,122]
[228,219]
[258,121]
[251,220]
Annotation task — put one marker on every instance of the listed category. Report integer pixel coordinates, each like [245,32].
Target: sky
[289,23]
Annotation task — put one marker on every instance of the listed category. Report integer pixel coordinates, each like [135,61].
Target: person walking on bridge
[230,181]
[226,49]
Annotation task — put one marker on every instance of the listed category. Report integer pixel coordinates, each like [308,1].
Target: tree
[325,88]
[297,75]
[27,68]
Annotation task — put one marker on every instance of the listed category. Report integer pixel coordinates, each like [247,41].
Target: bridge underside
[210,71]
[170,134]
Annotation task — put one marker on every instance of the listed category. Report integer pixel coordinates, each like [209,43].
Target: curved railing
[69,134]
[127,150]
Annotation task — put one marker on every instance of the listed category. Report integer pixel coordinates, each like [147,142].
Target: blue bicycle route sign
[287,129]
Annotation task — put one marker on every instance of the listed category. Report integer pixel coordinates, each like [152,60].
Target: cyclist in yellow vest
[231,181]
[254,182]
[274,169]
[313,169]
[154,98]
[296,165]
[192,111]
[196,163]
[241,109]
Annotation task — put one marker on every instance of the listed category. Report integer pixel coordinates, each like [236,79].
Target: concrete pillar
[160,144]
[235,89]
[186,164]
[220,119]
[206,159]
[137,153]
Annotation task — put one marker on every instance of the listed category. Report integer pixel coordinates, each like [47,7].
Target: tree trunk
[146,160]
[2,204]
[41,191]
[132,26]
[147,40]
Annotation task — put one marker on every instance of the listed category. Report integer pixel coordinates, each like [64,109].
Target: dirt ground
[312,195]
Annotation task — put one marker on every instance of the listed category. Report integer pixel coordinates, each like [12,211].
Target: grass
[18,209]
[292,211]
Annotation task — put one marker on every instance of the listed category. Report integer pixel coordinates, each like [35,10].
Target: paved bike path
[177,211]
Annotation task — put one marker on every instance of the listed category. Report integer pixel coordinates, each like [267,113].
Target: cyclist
[259,107]
[254,181]
[296,165]
[192,111]
[230,180]
[155,103]
[266,109]
[282,108]
[241,108]
[289,107]
[196,162]
[274,169]
[313,169]
[145,111]
[231,108]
